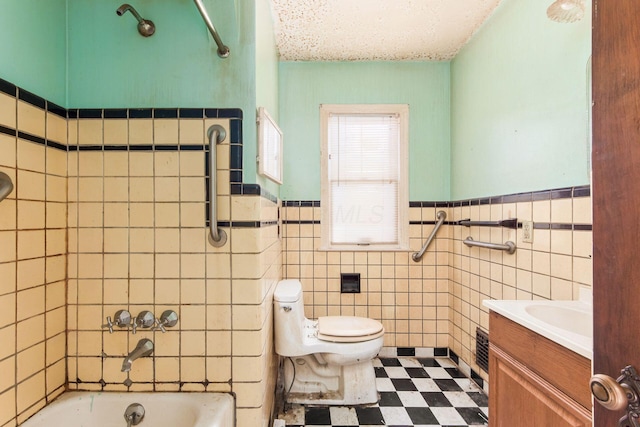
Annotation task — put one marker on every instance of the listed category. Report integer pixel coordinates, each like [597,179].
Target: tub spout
[143,349]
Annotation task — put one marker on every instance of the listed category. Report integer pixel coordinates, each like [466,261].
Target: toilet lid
[348,328]
[289,290]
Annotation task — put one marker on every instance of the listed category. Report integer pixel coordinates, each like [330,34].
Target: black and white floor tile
[419,392]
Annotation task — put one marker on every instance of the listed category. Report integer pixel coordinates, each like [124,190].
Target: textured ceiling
[366,30]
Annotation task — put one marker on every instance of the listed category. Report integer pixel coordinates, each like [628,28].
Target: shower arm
[127,7]
[6,186]
[223,50]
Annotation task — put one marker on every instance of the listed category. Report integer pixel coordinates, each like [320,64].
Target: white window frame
[402,110]
[269,147]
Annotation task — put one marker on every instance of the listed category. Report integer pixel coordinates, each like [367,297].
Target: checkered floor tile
[416,392]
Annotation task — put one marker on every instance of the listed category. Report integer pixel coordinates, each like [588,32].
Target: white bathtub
[95,409]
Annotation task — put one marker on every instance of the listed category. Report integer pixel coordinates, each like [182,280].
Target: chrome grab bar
[508,246]
[417,256]
[223,51]
[217,236]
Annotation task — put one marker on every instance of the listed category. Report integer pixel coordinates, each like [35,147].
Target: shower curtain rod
[223,50]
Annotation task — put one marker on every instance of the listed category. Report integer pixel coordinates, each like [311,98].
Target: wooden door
[616,190]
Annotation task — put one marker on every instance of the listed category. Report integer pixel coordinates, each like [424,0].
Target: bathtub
[96,409]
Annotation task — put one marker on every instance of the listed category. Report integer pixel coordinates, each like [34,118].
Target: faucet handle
[109,325]
[169,318]
[159,325]
[122,319]
[145,319]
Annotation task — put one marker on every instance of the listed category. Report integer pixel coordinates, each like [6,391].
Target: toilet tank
[289,320]
[289,290]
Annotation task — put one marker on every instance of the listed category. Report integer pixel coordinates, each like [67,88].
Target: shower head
[566,11]
[146,28]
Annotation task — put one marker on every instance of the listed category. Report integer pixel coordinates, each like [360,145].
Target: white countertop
[568,323]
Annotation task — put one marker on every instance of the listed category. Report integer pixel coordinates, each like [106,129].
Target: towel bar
[507,223]
[508,246]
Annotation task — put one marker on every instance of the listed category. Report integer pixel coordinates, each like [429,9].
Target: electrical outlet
[527,231]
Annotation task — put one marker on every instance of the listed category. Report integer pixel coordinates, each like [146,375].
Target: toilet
[328,361]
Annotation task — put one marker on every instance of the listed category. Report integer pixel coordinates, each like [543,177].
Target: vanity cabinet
[533,381]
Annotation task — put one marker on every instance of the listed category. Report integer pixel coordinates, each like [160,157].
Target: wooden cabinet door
[519,397]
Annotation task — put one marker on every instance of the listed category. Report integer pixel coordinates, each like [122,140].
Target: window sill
[364,248]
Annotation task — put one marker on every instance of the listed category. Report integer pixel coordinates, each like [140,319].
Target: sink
[570,319]
[568,323]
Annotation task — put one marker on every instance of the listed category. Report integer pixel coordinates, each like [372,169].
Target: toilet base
[316,382]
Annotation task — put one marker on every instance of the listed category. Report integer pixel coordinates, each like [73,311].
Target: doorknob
[620,393]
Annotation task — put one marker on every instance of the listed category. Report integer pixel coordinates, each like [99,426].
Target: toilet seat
[348,329]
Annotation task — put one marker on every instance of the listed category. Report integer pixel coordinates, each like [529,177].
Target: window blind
[364,173]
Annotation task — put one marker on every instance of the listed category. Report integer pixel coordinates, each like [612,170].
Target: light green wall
[33,46]
[422,85]
[266,71]
[80,54]
[112,66]
[266,60]
[519,104]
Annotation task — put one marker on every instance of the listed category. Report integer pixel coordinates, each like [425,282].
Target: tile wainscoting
[437,302]
[109,213]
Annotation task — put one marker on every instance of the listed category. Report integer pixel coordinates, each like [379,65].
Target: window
[269,147]
[364,177]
